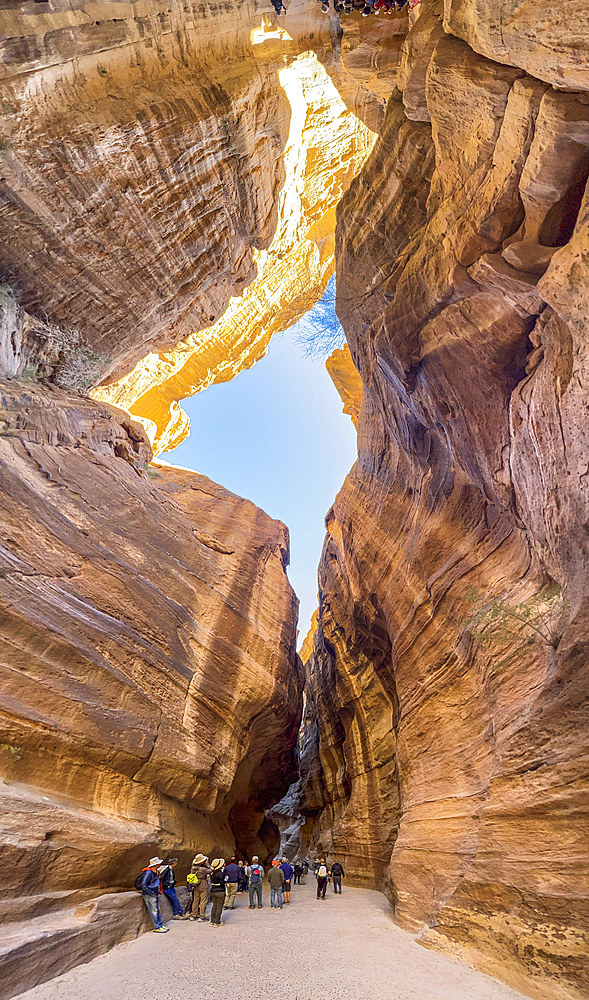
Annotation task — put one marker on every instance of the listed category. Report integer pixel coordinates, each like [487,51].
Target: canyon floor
[345,948]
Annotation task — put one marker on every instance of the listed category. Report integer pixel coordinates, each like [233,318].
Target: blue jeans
[337,883]
[153,906]
[171,895]
[255,887]
[276,897]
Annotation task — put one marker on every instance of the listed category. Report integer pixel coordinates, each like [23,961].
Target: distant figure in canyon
[255,874]
[242,883]
[288,874]
[276,880]
[150,886]
[232,876]
[337,874]
[298,871]
[305,866]
[200,892]
[321,880]
[217,890]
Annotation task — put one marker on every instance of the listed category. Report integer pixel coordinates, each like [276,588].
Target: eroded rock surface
[150,686]
[453,736]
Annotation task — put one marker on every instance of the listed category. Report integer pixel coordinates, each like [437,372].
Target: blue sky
[276,434]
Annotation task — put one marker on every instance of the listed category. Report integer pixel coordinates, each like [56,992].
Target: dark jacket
[336,869]
[168,878]
[150,882]
[218,881]
[232,873]
[276,878]
[288,871]
[298,868]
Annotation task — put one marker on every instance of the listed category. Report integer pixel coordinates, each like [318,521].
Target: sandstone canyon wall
[449,676]
[150,685]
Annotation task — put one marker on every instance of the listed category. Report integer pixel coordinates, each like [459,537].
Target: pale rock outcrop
[348,383]
[447,682]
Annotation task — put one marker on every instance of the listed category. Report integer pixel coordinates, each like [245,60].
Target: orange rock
[150,686]
[452,741]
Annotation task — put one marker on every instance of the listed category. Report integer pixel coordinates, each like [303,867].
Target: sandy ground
[341,948]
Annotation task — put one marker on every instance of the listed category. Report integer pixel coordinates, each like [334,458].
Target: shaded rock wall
[449,680]
[150,685]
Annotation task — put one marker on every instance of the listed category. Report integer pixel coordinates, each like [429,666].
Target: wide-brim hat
[155,861]
[198,860]
[218,863]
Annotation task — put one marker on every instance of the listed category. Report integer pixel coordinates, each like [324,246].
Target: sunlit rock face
[347,381]
[452,743]
[150,687]
[364,61]
[325,148]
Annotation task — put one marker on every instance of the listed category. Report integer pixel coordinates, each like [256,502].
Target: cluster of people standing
[365,6]
[219,883]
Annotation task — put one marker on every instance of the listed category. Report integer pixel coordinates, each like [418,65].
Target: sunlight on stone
[326,147]
[267,31]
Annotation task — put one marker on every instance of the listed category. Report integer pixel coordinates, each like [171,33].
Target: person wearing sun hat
[200,892]
[150,887]
[217,890]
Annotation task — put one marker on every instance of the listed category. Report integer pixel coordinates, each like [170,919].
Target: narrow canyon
[178,183]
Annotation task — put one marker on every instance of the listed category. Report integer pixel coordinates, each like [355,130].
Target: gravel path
[341,948]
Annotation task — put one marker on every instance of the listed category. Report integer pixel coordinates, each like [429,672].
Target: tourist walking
[276,880]
[168,880]
[288,874]
[255,874]
[200,892]
[305,866]
[321,880]
[150,887]
[337,874]
[217,891]
[298,871]
[231,883]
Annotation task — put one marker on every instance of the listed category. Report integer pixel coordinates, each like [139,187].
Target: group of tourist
[219,883]
[366,7]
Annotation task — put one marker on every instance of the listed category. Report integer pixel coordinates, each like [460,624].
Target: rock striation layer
[448,680]
[150,685]
[143,155]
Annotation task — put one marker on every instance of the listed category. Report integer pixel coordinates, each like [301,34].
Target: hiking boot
[201,920]
[192,918]
[251,907]
[259,906]
[160,930]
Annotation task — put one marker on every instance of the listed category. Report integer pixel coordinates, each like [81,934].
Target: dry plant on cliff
[542,618]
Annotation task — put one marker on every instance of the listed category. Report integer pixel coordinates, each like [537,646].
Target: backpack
[139,880]
[255,876]
[322,871]
[192,879]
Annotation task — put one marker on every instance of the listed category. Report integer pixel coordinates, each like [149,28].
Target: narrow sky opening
[276,435]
